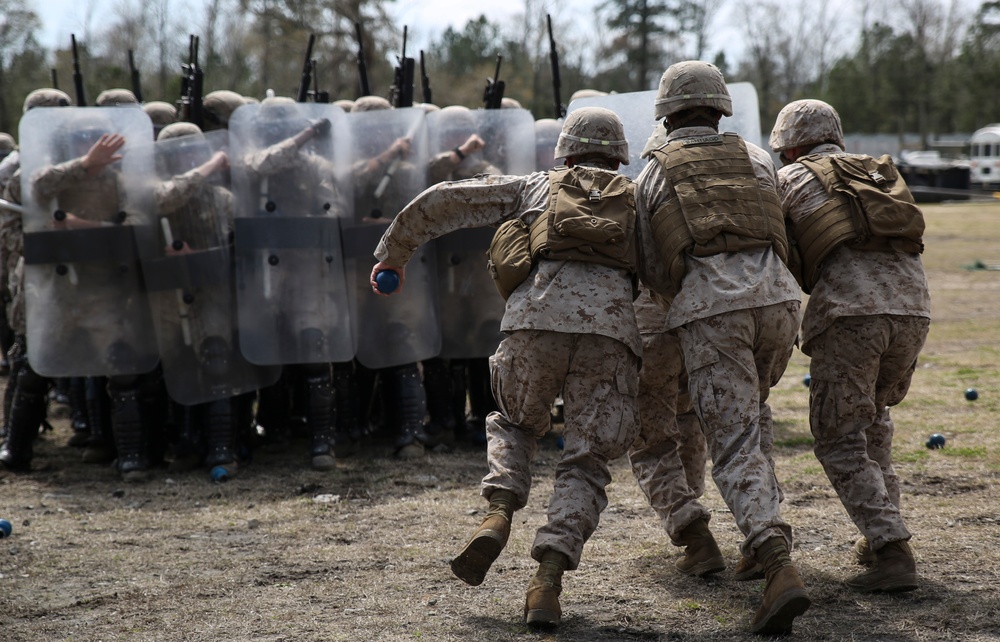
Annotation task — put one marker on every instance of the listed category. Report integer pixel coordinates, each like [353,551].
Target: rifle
[306,80]
[402,86]
[318,96]
[425,82]
[81,99]
[362,68]
[192,85]
[136,84]
[55,78]
[560,110]
[493,95]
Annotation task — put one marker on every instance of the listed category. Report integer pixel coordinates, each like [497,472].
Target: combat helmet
[217,108]
[590,130]
[177,130]
[806,123]
[115,97]
[370,103]
[692,84]
[46,97]
[7,144]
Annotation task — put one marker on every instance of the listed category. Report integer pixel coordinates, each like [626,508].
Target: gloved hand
[321,126]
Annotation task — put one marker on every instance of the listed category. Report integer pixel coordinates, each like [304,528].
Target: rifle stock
[306,81]
[362,67]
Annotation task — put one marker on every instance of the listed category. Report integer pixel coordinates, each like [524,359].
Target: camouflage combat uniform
[668,458]
[865,323]
[571,328]
[736,315]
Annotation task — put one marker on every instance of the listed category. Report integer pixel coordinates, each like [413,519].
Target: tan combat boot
[541,608]
[748,569]
[894,571]
[484,547]
[785,596]
[701,554]
[863,553]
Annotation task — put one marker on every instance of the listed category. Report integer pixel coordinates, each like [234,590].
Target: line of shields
[223,256]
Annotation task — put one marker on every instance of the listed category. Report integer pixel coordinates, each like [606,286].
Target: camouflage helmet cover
[690,84]
[160,112]
[345,104]
[370,103]
[806,123]
[177,130]
[592,130]
[509,103]
[587,93]
[7,143]
[218,107]
[46,97]
[115,97]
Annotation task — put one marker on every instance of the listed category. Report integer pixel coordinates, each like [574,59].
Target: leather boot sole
[778,620]
[474,561]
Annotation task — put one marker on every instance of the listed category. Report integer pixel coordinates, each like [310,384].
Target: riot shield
[471,308]
[403,328]
[87,314]
[637,109]
[191,277]
[287,164]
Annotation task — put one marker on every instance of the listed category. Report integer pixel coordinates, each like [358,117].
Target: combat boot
[411,406]
[100,448]
[785,595]
[894,571]
[863,553]
[748,569]
[220,435]
[27,411]
[348,433]
[701,554]
[541,607]
[484,547]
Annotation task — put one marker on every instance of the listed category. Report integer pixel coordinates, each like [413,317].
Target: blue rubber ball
[5,528]
[806,380]
[936,441]
[387,281]
[971,394]
[219,474]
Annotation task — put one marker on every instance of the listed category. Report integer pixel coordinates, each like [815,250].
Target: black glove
[321,126]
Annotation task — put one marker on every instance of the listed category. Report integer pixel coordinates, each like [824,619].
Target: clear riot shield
[190,274]
[403,328]
[637,110]
[287,162]
[87,313]
[471,308]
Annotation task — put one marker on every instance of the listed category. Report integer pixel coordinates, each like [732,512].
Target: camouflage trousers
[733,360]
[668,457]
[860,366]
[598,378]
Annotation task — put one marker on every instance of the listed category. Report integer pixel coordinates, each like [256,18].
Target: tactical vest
[718,204]
[590,218]
[870,208]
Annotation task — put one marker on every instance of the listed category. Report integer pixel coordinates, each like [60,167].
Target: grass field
[282,553]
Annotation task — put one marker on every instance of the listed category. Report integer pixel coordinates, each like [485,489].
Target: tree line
[925,66]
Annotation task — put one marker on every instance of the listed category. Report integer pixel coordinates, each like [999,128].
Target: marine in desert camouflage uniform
[570,328]
[718,228]
[864,326]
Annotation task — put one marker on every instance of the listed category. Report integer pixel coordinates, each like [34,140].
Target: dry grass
[260,558]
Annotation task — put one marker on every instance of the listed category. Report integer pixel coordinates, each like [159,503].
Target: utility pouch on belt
[509,257]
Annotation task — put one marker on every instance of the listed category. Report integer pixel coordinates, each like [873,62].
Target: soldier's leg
[438,384]
[131,437]
[347,406]
[100,447]
[656,461]
[221,434]
[528,372]
[27,410]
[481,400]
[406,392]
[842,411]
[78,412]
[273,408]
[189,439]
[319,413]
[602,421]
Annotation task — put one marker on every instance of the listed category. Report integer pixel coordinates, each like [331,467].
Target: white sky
[425,19]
